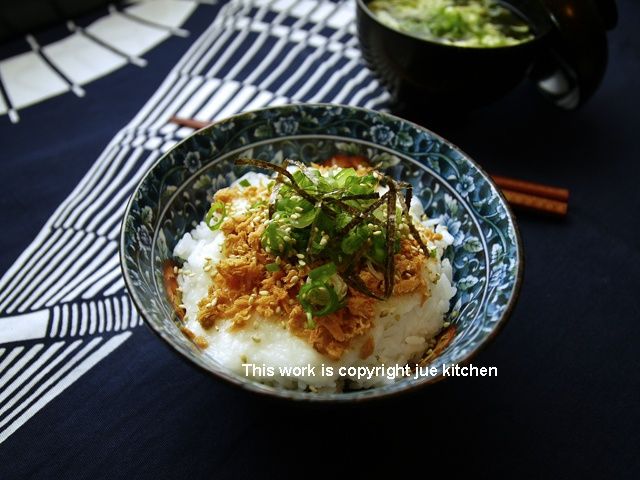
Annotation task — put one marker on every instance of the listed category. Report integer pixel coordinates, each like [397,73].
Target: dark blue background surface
[566,403]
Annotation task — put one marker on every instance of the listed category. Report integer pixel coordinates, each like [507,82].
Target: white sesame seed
[264,293]
[302,263]
[299,255]
[295,279]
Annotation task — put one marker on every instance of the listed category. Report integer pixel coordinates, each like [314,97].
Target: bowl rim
[361,5]
[333,398]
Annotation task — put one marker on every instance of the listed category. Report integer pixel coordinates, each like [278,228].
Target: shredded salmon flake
[243,286]
[367,348]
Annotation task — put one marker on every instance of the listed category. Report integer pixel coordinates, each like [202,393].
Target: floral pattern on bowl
[175,194]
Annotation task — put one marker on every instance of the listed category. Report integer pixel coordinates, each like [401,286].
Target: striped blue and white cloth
[63,306]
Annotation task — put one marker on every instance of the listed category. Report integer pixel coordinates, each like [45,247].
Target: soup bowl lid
[571,68]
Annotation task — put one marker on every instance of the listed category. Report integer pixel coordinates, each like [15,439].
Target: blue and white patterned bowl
[176,192]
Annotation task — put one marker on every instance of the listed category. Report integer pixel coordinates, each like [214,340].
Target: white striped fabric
[65,291]
[110,42]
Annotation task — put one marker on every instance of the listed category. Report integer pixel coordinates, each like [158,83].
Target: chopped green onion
[355,239]
[272,267]
[245,183]
[323,273]
[465,23]
[342,220]
[342,176]
[318,299]
[378,251]
[311,324]
[274,240]
[303,219]
[212,220]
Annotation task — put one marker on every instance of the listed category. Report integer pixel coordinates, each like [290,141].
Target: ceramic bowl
[175,194]
[433,76]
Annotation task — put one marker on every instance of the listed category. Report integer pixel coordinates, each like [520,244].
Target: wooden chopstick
[519,193]
[189,122]
[531,188]
[535,203]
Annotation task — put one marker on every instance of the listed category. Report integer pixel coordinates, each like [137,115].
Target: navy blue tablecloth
[565,404]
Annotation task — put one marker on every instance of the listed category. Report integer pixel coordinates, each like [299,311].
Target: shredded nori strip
[358,284]
[354,279]
[282,171]
[362,216]
[354,212]
[361,196]
[408,194]
[414,232]
[389,271]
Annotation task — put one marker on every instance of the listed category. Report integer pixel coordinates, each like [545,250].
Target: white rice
[401,332]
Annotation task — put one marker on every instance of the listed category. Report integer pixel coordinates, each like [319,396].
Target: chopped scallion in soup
[465,23]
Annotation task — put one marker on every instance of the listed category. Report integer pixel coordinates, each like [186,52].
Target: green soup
[465,23]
